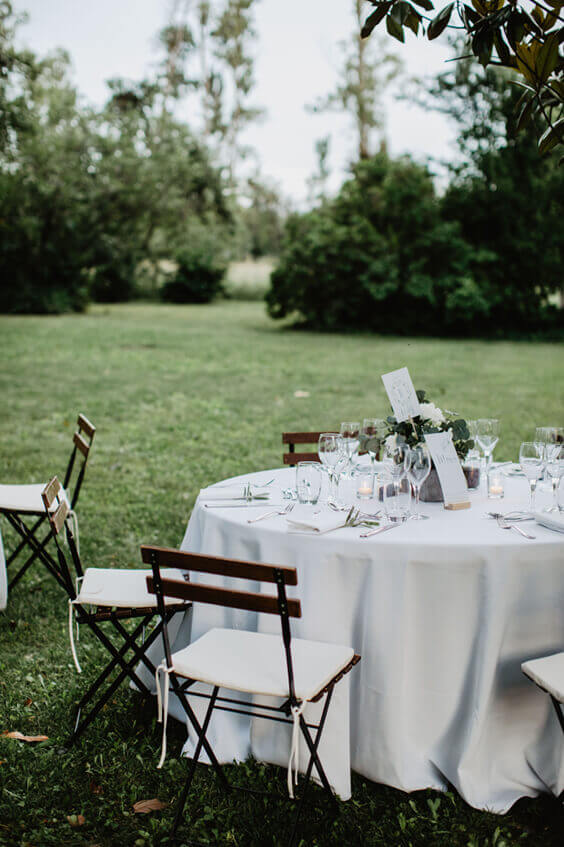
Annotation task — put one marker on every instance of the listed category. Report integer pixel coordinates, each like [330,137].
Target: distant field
[183,396]
[249,280]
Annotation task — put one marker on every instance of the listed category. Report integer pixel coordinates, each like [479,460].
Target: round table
[443,612]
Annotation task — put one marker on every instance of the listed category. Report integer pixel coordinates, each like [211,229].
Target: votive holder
[364,487]
[495,484]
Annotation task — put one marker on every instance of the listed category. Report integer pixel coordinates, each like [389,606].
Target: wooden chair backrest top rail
[49,496]
[86,426]
[168,557]
[247,600]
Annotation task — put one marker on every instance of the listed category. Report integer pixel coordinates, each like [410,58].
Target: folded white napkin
[551,520]
[314,519]
[236,491]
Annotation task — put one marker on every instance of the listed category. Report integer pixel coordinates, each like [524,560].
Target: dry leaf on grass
[28,702]
[21,737]
[76,820]
[143,807]
[301,393]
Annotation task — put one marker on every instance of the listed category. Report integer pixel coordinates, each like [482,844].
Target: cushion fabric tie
[162,705]
[72,518]
[294,760]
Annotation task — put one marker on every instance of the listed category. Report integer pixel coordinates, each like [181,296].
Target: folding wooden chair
[23,508]
[297,671]
[107,595]
[293,438]
[548,674]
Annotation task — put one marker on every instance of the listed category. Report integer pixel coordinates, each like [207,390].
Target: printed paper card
[449,469]
[401,393]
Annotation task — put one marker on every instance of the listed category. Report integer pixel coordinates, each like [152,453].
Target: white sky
[297,60]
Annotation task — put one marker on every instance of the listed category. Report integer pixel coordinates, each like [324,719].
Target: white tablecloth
[443,613]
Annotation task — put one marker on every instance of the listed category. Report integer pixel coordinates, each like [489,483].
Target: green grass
[183,396]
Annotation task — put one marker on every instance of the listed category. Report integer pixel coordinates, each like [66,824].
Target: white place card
[401,393]
[451,476]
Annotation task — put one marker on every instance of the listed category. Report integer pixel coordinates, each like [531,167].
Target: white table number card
[451,476]
[402,395]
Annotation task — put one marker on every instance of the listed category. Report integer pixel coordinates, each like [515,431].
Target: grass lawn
[183,396]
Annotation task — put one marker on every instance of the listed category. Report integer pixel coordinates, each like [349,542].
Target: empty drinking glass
[308,481]
[397,501]
[329,448]
[350,435]
[555,470]
[531,460]
[487,436]
[418,468]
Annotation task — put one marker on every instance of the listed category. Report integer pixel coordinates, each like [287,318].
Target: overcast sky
[297,59]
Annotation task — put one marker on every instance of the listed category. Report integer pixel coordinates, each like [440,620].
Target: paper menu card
[401,393]
[446,461]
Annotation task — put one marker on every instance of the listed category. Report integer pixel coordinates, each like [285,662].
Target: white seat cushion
[122,588]
[256,662]
[547,672]
[25,498]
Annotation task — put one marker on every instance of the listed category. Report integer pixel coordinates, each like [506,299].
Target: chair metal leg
[192,769]
[38,551]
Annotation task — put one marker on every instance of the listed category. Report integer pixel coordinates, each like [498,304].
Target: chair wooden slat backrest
[82,442]
[57,510]
[293,438]
[279,604]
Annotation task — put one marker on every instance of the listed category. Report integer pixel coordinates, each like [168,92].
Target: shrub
[198,278]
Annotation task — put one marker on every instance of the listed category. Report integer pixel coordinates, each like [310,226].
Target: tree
[360,92]
[504,33]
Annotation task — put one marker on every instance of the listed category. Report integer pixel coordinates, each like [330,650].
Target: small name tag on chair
[451,476]
[401,394]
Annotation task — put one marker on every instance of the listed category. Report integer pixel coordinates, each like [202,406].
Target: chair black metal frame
[133,643]
[28,524]
[279,605]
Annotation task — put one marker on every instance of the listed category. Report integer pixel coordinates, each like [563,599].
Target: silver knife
[260,505]
[380,529]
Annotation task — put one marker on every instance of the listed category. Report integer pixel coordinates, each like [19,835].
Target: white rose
[391,441]
[432,413]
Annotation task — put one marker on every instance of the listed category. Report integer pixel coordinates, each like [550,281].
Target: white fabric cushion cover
[547,672]
[255,662]
[121,587]
[25,498]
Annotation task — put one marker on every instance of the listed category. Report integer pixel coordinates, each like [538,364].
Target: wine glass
[551,437]
[555,470]
[531,460]
[394,461]
[474,452]
[329,450]
[487,436]
[418,468]
[350,434]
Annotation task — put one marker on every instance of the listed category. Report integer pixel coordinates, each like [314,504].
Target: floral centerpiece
[412,432]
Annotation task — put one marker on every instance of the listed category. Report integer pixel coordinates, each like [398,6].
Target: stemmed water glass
[555,470]
[394,461]
[551,437]
[372,429]
[418,468]
[350,435]
[487,436]
[329,450]
[531,460]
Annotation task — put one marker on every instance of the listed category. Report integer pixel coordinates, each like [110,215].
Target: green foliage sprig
[432,420]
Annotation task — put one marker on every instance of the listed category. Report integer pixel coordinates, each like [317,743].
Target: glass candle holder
[495,484]
[364,486]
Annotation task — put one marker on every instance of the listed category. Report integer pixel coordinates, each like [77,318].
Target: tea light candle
[364,488]
[495,485]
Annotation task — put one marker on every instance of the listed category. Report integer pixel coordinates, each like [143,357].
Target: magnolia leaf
[143,807]
[374,19]
[412,21]
[20,737]
[525,114]
[425,4]
[547,57]
[440,22]
[552,136]
[76,820]
[394,29]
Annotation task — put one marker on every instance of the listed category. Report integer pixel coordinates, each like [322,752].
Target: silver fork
[286,510]
[503,524]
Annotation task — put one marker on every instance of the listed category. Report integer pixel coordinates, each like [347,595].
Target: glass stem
[555,481]
[533,484]
[417,488]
